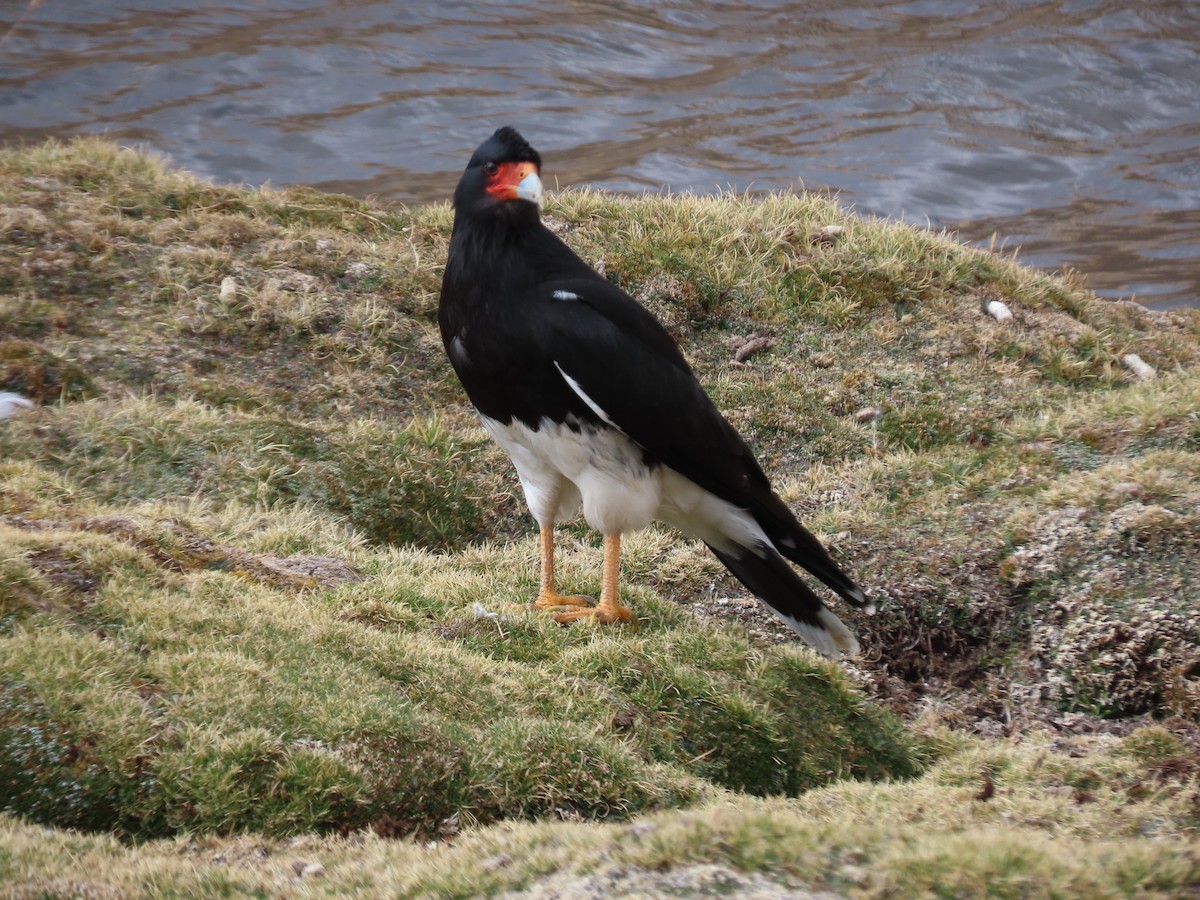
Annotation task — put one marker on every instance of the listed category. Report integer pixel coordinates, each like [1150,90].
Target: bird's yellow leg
[610,608]
[548,597]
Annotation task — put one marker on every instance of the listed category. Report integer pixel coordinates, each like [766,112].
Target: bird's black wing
[633,371]
[633,375]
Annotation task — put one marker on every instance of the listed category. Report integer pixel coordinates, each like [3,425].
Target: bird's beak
[530,188]
[517,181]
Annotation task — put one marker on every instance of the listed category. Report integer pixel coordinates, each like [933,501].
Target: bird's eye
[490,168]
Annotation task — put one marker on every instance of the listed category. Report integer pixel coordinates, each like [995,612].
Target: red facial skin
[502,184]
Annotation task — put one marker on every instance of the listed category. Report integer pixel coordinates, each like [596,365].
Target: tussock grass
[257,562]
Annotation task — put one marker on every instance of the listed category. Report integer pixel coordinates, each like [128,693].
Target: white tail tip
[831,638]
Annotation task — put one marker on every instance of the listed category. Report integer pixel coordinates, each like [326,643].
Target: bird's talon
[554,601]
[600,614]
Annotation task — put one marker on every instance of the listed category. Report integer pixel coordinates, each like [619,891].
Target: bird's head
[502,176]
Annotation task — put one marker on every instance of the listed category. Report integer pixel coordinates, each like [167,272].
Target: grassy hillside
[259,565]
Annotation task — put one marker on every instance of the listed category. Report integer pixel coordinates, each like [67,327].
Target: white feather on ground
[10,403]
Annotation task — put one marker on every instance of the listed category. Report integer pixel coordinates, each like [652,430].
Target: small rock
[357,271]
[624,719]
[1139,366]
[856,874]
[45,184]
[998,311]
[294,282]
[305,869]
[324,244]
[229,289]
[752,346]
[325,571]
[868,414]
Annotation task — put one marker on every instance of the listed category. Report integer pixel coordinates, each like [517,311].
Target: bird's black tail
[799,545]
[772,580]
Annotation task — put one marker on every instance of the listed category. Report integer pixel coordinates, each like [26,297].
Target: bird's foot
[607,614]
[556,601]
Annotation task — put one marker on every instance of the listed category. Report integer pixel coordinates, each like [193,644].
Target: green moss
[395,484]
[1112,552]
[252,780]
[1153,744]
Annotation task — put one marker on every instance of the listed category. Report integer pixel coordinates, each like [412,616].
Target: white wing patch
[579,392]
[564,295]
[458,350]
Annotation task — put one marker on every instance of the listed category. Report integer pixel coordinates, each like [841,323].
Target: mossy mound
[1071,817]
[1114,562]
[257,557]
[159,678]
[394,484]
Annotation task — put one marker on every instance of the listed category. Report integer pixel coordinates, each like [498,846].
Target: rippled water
[1070,129]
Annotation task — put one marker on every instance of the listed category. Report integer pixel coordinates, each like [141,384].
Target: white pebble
[1139,366]
[228,289]
[999,311]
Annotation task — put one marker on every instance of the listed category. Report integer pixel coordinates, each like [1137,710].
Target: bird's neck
[490,249]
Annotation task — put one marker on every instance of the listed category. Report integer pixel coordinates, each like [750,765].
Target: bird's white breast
[565,465]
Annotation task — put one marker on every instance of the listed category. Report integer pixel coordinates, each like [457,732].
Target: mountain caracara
[596,406]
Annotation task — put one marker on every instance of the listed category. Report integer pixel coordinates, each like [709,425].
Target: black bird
[596,406]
